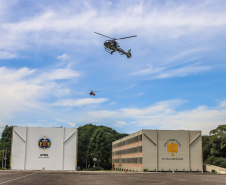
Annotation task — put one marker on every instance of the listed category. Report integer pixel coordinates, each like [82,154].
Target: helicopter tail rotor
[129,53]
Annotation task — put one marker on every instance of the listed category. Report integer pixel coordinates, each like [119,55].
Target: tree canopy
[214,147]
[5,143]
[6,134]
[85,133]
[97,147]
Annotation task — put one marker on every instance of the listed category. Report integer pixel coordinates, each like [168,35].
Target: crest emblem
[172,147]
[44,143]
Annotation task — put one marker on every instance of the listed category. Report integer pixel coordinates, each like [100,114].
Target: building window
[128,141]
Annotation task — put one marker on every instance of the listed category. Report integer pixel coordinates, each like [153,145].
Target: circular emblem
[44,143]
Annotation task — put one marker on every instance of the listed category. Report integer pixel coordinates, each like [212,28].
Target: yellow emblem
[44,143]
[172,147]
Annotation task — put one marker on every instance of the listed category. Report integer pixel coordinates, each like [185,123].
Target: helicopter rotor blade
[96,91]
[126,37]
[102,35]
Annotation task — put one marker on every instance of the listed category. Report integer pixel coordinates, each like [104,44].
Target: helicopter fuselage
[111,44]
[92,93]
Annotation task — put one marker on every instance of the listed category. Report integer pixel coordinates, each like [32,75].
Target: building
[159,150]
[38,148]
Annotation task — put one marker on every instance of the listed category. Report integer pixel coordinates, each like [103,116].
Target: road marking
[18,178]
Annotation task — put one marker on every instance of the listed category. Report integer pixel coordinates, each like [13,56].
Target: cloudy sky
[50,58]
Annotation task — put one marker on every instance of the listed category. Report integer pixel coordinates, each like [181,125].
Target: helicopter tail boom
[128,54]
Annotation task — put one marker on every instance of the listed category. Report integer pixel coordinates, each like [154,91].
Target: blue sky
[50,58]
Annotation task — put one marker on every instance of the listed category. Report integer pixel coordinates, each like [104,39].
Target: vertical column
[25,156]
[76,158]
[201,149]
[63,149]
[189,151]
[156,150]
[11,148]
[112,162]
[5,157]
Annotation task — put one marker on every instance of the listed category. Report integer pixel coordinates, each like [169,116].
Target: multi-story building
[159,150]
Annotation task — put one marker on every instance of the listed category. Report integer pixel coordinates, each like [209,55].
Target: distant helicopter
[92,92]
[111,46]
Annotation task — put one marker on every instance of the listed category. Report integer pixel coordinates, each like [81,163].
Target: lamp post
[2,157]
[94,159]
[5,157]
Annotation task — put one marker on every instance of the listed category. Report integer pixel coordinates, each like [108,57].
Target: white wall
[180,160]
[217,169]
[27,155]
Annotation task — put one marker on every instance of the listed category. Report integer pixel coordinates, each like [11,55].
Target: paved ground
[108,178]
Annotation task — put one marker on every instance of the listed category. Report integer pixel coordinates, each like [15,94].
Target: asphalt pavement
[108,178]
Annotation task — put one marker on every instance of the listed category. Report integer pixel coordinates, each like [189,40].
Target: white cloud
[164,116]
[96,115]
[80,102]
[7,75]
[72,124]
[7,55]
[63,57]
[23,90]
[67,122]
[186,53]
[112,103]
[164,107]
[131,86]
[184,71]
[54,27]
[120,124]
[222,104]
[59,74]
[158,73]
[148,71]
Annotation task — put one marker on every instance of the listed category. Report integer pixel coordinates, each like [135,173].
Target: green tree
[220,131]
[214,147]
[218,141]
[5,143]
[206,147]
[7,134]
[97,147]
[85,133]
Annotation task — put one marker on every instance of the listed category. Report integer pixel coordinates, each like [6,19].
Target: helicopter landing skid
[108,50]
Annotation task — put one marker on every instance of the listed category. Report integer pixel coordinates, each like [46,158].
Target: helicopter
[92,92]
[111,46]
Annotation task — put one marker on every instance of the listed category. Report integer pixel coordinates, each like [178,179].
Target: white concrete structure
[209,168]
[35,148]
